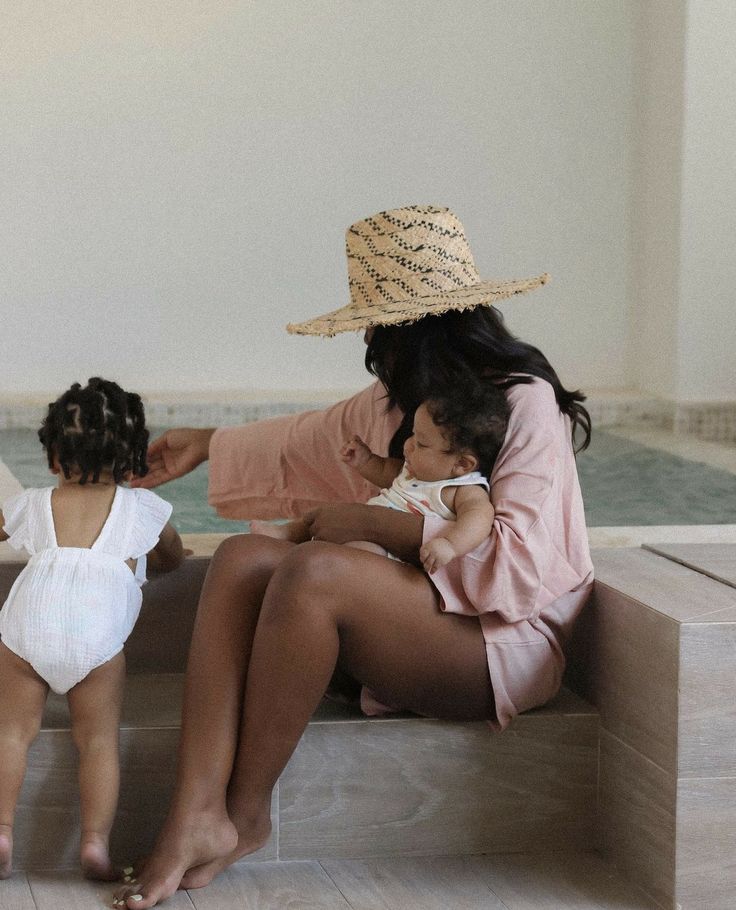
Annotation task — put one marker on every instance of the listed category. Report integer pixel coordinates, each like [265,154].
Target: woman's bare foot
[95,859]
[295,531]
[184,843]
[254,834]
[6,851]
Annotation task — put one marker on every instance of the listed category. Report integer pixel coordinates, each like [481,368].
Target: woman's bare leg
[95,704]
[390,635]
[197,828]
[21,708]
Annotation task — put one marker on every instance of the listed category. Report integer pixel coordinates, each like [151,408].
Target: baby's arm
[374,468]
[168,553]
[3,535]
[474,512]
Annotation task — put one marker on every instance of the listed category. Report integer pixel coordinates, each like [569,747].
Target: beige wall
[684,211]
[177,177]
[706,351]
[657,177]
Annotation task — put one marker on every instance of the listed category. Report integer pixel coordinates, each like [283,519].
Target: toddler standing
[73,606]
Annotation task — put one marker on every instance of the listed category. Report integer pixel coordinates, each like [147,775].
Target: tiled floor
[577,881]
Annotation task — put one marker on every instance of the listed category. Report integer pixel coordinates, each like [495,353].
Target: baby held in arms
[448,459]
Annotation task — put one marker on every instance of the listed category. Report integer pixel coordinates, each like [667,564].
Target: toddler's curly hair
[98,427]
[474,416]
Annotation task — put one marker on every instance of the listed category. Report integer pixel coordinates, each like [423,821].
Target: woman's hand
[175,454]
[399,532]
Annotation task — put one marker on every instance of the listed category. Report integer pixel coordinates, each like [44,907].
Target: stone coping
[229,407]
[204,545]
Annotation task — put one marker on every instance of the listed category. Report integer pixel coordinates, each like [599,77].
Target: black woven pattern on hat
[464,264]
[427,284]
[378,278]
[427,225]
[442,253]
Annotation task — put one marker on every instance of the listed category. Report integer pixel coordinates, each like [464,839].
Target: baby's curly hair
[473,416]
[98,427]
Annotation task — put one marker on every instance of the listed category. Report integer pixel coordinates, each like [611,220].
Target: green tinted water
[623,483]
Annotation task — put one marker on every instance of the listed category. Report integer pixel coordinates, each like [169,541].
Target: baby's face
[427,453]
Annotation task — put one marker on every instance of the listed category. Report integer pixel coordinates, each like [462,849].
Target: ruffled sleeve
[281,468]
[17,521]
[537,549]
[151,515]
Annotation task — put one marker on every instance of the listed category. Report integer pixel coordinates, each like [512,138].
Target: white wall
[684,212]
[707,323]
[656,210]
[177,178]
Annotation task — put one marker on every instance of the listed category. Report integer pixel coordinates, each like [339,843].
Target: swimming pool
[624,484]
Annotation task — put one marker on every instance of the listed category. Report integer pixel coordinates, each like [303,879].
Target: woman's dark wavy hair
[473,417]
[414,360]
[95,428]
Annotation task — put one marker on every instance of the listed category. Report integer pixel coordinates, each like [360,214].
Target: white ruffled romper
[71,609]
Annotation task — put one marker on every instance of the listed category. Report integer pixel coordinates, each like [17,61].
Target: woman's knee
[243,557]
[311,577]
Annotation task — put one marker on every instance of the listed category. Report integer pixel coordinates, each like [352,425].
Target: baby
[447,459]
[73,606]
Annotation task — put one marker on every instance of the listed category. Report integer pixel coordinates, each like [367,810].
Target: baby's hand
[355,452]
[436,553]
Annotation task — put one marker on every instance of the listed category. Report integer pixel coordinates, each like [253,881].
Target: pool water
[23,455]
[624,484]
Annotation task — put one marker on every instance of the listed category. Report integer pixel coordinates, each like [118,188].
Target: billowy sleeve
[537,549]
[281,468]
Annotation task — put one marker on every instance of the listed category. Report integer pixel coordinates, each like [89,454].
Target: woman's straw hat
[407,263]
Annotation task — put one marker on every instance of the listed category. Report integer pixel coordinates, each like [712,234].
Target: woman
[278,622]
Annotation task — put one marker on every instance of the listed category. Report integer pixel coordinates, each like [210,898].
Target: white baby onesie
[424,497]
[71,609]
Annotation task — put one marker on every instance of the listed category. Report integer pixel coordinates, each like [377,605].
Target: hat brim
[355,318]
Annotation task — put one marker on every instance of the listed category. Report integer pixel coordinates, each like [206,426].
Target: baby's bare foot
[185,842]
[95,859]
[289,531]
[6,851]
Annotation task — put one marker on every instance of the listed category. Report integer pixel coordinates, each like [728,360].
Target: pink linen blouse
[526,583]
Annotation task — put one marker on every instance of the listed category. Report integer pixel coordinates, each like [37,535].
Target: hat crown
[415,251]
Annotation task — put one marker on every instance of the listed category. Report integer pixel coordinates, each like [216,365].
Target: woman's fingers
[156,447]
[174,454]
[157,474]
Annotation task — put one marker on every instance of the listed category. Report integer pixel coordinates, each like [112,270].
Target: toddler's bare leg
[295,531]
[94,705]
[21,707]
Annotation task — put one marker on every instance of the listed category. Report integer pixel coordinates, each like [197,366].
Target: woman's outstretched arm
[175,454]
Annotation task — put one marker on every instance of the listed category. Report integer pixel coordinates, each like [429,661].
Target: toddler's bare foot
[6,851]
[253,834]
[185,842]
[292,530]
[95,859]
